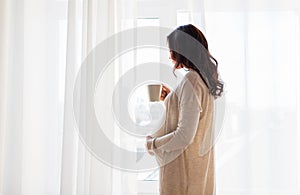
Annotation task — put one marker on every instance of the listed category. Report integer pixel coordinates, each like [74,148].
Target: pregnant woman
[183,146]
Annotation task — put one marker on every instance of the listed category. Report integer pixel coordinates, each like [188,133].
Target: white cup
[154,92]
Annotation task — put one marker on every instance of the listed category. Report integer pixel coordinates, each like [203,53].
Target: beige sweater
[184,143]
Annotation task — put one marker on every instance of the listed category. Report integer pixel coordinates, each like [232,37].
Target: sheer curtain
[31,96]
[257,45]
[89,23]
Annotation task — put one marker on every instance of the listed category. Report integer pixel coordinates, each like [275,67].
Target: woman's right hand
[164,92]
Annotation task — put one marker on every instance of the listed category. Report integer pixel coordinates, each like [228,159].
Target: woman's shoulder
[196,83]
[193,77]
[193,81]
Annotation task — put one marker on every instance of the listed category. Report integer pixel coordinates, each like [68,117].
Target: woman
[183,146]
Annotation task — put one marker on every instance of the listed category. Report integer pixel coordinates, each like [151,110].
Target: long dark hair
[186,50]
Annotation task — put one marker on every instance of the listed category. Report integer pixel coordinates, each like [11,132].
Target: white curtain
[31,96]
[257,45]
[43,44]
[89,23]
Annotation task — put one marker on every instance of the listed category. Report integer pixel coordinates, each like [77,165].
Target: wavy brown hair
[185,50]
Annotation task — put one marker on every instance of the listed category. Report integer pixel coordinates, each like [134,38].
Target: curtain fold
[89,23]
[4,36]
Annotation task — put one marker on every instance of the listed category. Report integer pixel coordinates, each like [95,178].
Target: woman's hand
[164,92]
[148,144]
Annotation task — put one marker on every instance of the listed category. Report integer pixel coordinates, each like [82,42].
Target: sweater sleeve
[189,98]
